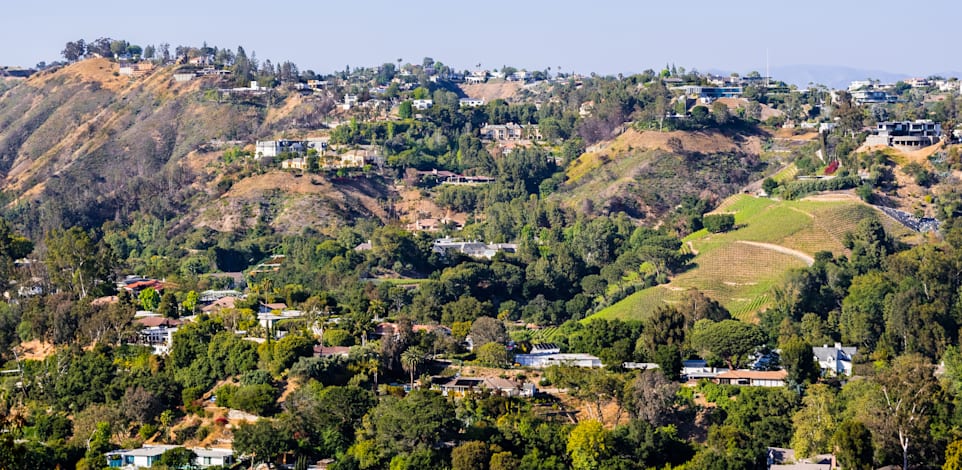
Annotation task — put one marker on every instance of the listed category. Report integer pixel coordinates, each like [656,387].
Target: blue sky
[595,36]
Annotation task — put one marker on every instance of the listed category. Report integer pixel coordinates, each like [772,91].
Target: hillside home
[873,96]
[835,360]
[907,134]
[144,457]
[696,369]
[149,455]
[422,105]
[135,70]
[349,102]
[273,148]
[471,102]
[541,361]
[463,385]
[299,163]
[707,94]
[509,131]
[473,249]
[753,378]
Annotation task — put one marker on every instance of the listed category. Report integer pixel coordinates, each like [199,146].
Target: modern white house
[144,457]
[911,134]
[212,457]
[541,361]
[835,360]
[471,102]
[148,455]
[422,105]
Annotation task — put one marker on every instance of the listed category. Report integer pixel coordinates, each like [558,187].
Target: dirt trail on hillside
[781,249]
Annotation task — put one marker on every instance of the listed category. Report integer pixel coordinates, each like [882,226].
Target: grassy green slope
[733,269]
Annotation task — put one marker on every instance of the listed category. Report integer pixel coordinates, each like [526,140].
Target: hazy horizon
[605,38]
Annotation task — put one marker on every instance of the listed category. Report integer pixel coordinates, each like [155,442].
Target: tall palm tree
[411,359]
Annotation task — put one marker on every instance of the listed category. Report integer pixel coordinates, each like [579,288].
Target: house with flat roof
[906,134]
[471,102]
[148,455]
[753,378]
[542,361]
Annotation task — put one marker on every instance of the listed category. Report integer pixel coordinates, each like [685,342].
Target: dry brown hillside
[492,91]
[82,144]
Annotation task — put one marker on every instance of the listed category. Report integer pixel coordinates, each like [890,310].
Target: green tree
[12,247]
[769,185]
[486,330]
[149,299]
[261,440]
[717,223]
[853,446]
[411,360]
[953,456]
[168,305]
[78,263]
[909,392]
[405,110]
[589,445]
[178,457]
[190,302]
[422,419]
[815,421]
[472,455]
[491,354]
[730,340]
[798,359]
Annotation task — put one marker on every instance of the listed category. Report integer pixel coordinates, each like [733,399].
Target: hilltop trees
[78,263]
[729,340]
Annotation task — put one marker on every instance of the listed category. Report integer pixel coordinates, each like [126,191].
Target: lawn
[741,275]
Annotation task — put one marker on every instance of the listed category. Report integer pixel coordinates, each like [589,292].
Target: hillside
[81,144]
[647,173]
[740,267]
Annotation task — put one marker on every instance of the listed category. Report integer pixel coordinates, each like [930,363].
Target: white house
[422,105]
[144,457]
[835,360]
[148,455]
[212,457]
[471,102]
[541,361]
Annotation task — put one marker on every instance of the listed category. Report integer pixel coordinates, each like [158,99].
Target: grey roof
[839,353]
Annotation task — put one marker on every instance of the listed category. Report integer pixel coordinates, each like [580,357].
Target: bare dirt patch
[735,103]
[35,350]
[492,90]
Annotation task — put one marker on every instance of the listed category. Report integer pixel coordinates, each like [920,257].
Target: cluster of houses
[873,91]
[329,157]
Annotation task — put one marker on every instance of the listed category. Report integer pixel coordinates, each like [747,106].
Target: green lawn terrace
[739,268]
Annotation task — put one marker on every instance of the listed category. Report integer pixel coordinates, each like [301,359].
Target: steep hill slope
[81,144]
[740,267]
[646,174]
